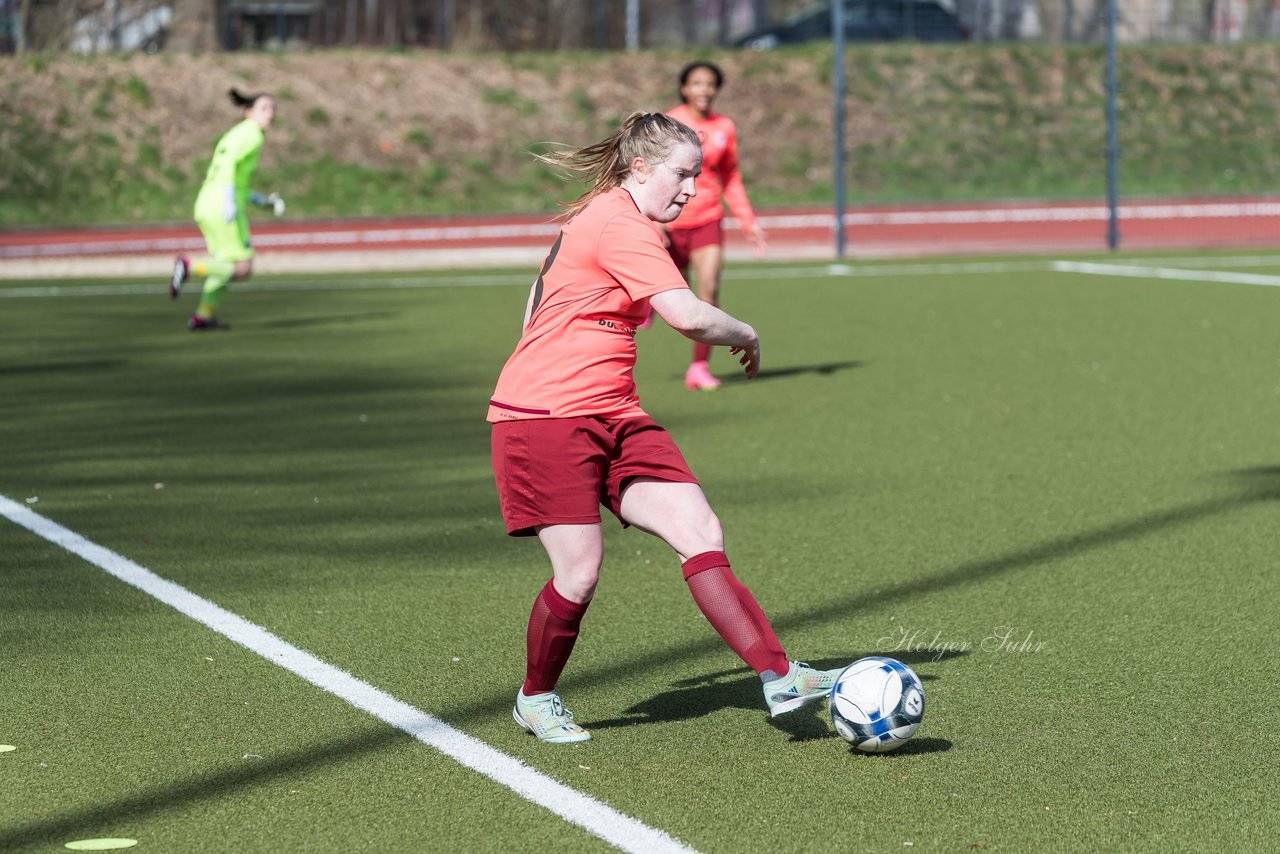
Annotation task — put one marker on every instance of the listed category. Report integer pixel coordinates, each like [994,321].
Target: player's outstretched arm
[701,321]
[272,202]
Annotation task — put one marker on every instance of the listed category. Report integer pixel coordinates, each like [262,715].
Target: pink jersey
[578,351]
[720,175]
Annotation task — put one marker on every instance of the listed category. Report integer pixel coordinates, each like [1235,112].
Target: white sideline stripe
[159,286]
[833,269]
[776,222]
[573,806]
[152,289]
[1211,260]
[1166,273]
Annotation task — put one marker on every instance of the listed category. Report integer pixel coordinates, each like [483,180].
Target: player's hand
[750,356]
[276,203]
[758,240]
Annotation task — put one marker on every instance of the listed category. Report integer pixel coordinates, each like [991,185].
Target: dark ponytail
[242,101]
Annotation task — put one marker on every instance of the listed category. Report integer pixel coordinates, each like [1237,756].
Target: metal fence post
[837,35]
[1113,144]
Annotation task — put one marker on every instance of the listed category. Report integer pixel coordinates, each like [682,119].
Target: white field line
[1208,260]
[617,829]
[151,289]
[160,285]
[834,270]
[1139,272]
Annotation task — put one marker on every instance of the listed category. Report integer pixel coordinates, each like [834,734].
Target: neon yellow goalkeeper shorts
[229,240]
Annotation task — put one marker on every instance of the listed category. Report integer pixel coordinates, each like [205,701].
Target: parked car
[865,21]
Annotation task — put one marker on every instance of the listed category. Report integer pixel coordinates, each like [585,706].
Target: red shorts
[558,471]
[685,240]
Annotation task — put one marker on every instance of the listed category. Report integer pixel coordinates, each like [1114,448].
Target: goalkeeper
[220,211]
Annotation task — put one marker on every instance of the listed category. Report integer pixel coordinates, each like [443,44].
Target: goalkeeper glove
[272,201]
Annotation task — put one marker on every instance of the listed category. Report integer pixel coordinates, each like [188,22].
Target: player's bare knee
[709,534]
[578,583]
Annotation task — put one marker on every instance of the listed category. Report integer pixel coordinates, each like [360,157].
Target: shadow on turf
[782,373]
[324,320]
[914,747]
[175,794]
[740,689]
[59,367]
[1261,484]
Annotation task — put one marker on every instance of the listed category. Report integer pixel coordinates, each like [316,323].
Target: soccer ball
[877,704]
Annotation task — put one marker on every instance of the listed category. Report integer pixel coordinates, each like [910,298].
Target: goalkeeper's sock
[215,288]
[210,266]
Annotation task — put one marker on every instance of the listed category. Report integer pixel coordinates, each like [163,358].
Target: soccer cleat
[698,378]
[547,718]
[801,685]
[206,324]
[181,269]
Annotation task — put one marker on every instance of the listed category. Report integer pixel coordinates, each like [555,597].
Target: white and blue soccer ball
[877,704]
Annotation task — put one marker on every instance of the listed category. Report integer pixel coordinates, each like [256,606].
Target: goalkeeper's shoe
[547,718]
[206,324]
[801,684]
[181,270]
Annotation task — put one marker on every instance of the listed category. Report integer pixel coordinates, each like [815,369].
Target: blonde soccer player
[569,434]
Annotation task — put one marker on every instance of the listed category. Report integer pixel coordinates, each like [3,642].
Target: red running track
[884,230]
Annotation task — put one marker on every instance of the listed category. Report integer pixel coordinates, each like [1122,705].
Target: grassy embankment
[126,139]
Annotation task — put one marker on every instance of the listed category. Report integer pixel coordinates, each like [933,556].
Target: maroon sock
[553,629]
[734,612]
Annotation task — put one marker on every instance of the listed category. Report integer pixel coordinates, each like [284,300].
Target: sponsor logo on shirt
[615,326]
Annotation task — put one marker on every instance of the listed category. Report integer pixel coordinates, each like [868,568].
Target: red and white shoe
[699,378]
[181,270]
[206,324]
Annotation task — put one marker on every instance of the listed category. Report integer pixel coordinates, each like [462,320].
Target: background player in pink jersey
[697,236]
[569,433]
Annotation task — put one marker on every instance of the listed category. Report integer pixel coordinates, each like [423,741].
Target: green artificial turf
[931,461]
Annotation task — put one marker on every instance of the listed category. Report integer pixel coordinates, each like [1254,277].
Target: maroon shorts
[685,240]
[558,471]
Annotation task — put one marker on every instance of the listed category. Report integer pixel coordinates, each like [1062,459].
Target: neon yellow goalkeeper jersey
[234,160]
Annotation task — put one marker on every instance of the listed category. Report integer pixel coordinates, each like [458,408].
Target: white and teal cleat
[800,686]
[545,716]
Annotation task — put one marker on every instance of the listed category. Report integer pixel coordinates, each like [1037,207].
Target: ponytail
[607,163]
[242,101]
